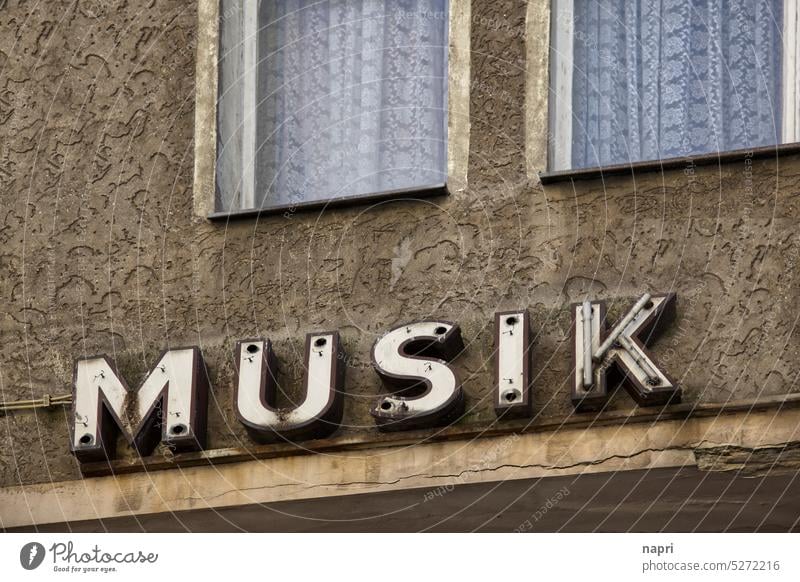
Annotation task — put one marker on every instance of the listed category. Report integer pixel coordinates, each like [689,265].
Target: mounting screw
[178,429]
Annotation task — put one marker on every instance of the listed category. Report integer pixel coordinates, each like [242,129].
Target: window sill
[289,210]
[634,168]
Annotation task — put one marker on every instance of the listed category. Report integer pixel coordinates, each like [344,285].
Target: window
[639,80]
[322,100]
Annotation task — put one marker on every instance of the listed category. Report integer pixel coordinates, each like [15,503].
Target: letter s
[412,361]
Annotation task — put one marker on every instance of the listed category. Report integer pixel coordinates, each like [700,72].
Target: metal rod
[614,336]
[46,402]
[652,376]
[586,316]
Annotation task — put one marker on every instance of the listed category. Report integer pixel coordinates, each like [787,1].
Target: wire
[46,402]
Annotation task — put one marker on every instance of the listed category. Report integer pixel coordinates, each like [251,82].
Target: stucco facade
[105,249]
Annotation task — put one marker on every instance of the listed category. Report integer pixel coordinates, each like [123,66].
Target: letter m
[170,406]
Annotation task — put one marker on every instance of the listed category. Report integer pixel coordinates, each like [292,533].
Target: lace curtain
[657,79]
[351,99]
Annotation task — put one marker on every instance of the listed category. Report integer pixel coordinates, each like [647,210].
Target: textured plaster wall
[100,250]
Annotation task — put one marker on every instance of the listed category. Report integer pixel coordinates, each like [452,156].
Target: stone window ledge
[632,169]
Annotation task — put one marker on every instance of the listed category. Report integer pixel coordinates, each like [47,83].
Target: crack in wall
[586,463]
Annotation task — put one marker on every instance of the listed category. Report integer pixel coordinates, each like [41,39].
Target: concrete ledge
[559,451]
[401,439]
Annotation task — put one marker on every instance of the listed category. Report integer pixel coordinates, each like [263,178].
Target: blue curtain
[656,79]
[352,97]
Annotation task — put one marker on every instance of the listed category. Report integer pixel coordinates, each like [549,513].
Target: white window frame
[791,79]
[562,32]
[207,79]
[561,70]
[249,98]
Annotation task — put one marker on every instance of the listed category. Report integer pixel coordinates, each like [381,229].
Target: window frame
[205,147]
[559,100]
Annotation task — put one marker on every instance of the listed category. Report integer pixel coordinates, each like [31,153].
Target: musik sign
[414,362]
